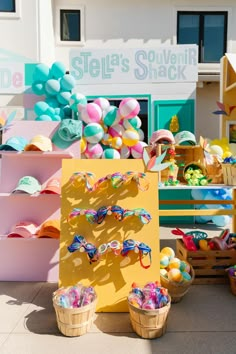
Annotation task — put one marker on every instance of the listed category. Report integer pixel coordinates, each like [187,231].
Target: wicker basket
[229,174]
[232,280]
[215,172]
[149,323]
[177,290]
[76,321]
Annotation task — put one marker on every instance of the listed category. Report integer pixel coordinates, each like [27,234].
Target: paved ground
[203,322]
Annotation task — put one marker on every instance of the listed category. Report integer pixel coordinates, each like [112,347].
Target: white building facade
[42,31]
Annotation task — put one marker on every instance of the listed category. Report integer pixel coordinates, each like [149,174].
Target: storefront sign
[11,78]
[144,65]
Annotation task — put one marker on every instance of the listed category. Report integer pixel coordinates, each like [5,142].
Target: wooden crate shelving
[209,266]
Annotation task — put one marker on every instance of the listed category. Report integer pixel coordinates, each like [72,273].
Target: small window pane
[188,29]
[7,6]
[213,38]
[70,25]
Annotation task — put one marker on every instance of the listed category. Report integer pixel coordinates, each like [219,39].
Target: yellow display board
[112,275]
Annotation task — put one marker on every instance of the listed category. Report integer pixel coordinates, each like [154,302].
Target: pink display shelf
[30,259]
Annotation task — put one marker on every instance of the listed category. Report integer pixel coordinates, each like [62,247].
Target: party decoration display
[151,296]
[56,85]
[91,113]
[93,133]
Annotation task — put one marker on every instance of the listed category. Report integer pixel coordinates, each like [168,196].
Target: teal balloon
[44,118]
[52,87]
[64,97]
[41,73]
[59,111]
[52,102]
[67,82]
[40,108]
[56,117]
[75,99]
[58,69]
[38,88]
[50,112]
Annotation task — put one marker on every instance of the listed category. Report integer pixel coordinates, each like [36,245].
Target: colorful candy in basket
[151,296]
[74,296]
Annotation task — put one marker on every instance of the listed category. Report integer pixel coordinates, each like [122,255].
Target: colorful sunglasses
[114,246]
[138,247]
[116,210]
[90,215]
[116,179]
[87,177]
[142,214]
[80,244]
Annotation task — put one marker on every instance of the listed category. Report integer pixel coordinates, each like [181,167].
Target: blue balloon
[44,118]
[64,97]
[221,220]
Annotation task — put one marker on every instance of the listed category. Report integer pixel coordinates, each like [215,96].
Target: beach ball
[130,137]
[102,102]
[186,276]
[58,69]
[116,142]
[110,154]
[63,97]
[93,151]
[77,99]
[83,145]
[41,73]
[93,133]
[129,108]
[133,123]
[124,152]
[168,251]
[38,88]
[137,150]
[175,275]
[116,130]
[141,134]
[67,82]
[164,260]
[174,263]
[184,266]
[111,116]
[52,87]
[40,108]
[91,113]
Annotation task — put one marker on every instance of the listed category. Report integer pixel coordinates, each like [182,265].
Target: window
[70,25]
[7,6]
[203,28]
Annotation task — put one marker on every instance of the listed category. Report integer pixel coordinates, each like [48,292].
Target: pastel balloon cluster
[56,85]
[213,194]
[172,268]
[111,132]
[150,297]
